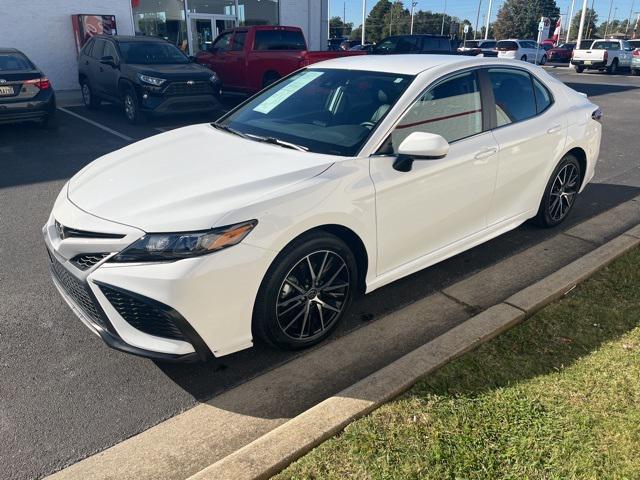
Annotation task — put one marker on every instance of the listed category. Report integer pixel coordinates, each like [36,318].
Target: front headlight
[151,80]
[155,247]
[213,78]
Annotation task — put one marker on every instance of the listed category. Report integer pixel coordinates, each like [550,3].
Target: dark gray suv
[147,75]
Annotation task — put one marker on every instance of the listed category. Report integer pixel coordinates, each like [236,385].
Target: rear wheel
[579,68]
[635,72]
[560,194]
[306,292]
[90,100]
[613,68]
[132,107]
[523,58]
[543,60]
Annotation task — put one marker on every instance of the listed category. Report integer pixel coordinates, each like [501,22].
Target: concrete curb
[272,452]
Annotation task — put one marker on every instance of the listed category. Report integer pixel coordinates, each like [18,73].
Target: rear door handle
[486,153]
[554,129]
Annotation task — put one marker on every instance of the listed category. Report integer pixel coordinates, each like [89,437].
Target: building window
[161,18]
[222,7]
[263,12]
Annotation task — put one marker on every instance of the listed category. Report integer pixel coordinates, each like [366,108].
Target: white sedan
[338,179]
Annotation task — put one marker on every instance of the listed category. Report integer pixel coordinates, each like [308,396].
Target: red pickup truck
[248,59]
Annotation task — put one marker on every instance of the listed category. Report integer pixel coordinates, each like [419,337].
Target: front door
[439,202]
[203,30]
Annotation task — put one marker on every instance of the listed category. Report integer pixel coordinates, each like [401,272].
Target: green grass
[557,397]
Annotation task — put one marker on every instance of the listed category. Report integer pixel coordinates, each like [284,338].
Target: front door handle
[486,153]
[554,129]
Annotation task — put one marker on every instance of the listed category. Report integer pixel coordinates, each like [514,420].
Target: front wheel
[613,68]
[90,100]
[560,194]
[543,60]
[306,292]
[523,58]
[635,72]
[132,107]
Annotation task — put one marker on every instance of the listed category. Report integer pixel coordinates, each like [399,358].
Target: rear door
[234,60]
[107,75]
[530,136]
[93,61]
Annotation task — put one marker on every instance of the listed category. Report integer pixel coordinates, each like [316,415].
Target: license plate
[6,90]
[587,62]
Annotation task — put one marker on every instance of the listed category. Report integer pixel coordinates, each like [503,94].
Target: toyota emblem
[2,80]
[191,82]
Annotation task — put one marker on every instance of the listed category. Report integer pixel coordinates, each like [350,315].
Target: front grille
[142,313]
[79,292]
[87,260]
[183,88]
[66,232]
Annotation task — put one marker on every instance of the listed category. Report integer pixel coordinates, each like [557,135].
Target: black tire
[131,105]
[269,78]
[635,72]
[579,68]
[90,100]
[523,58]
[291,311]
[613,68]
[543,60]
[563,189]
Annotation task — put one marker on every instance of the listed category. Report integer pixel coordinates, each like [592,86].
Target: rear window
[399,44]
[14,62]
[506,45]
[634,43]
[605,46]
[471,44]
[279,40]
[436,44]
[488,44]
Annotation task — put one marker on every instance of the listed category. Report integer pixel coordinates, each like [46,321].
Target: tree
[337,28]
[375,27]
[520,18]
[397,20]
[615,26]
[589,24]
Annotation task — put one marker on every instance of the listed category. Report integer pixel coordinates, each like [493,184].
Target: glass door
[204,28]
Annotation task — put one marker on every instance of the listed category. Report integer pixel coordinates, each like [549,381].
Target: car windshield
[327,111]
[152,53]
[14,62]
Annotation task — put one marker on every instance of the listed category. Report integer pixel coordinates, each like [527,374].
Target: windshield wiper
[227,128]
[277,141]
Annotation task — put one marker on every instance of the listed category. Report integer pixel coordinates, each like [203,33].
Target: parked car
[147,75]
[486,48]
[561,53]
[333,44]
[609,55]
[247,59]
[399,44]
[25,91]
[341,178]
[367,47]
[634,43]
[525,50]
[635,62]
[347,44]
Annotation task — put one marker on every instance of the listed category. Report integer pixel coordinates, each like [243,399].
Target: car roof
[131,38]
[9,50]
[410,64]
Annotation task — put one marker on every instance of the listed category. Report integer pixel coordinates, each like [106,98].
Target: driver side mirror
[108,60]
[193,59]
[420,146]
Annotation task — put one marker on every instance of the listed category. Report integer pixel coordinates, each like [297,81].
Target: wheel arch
[581,156]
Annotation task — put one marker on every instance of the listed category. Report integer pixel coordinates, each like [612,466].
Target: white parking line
[96,124]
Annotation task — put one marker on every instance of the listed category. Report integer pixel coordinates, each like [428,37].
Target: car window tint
[407,44]
[222,43]
[435,44]
[98,48]
[506,45]
[488,45]
[543,96]
[605,46]
[279,40]
[514,97]
[14,62]
[452,109]
[109,50]
[86,50]
[238,41]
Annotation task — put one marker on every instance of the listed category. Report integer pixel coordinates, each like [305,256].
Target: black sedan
[25,92]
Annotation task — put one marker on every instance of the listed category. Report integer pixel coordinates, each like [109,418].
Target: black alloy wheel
[88,98]
[131,106]
[561,192]
[306,292]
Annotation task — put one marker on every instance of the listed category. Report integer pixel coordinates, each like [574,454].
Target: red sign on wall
[86,26]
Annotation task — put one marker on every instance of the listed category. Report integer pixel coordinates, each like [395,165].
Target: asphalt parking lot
[64,395]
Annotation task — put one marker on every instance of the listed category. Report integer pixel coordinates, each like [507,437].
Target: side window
[109,51]
[408,44]
[98,48]
[222,43]
[238,41]
[86,50]
[543,96]
[513,92]
[451,108]
[387,46]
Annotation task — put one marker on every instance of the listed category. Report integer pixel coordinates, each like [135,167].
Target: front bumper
[179,311]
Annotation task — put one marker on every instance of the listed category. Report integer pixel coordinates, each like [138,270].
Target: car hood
[173,72]
[188,178]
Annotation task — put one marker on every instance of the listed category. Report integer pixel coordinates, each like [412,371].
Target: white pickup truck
[609,55]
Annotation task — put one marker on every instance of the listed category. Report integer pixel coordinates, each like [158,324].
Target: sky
[469,8]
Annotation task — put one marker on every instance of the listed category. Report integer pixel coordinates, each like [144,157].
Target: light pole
[486,26]
[364,19]
[413,5]
[443,15]
[608,20]
[582,17]
[570,20]
[615,14]
[630,17]
[475,30]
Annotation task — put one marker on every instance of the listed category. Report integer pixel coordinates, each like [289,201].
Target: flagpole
[364,18]
[570,20]
[486,28]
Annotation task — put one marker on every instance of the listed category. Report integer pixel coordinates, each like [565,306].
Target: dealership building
[43,29]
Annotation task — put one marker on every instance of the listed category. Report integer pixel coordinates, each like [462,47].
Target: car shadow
[596,89]
[206,380]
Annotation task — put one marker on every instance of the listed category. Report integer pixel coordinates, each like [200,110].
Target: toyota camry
[334,181]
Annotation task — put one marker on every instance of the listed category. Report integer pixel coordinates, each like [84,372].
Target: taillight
[636,52]
[42,83]
[606,55]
